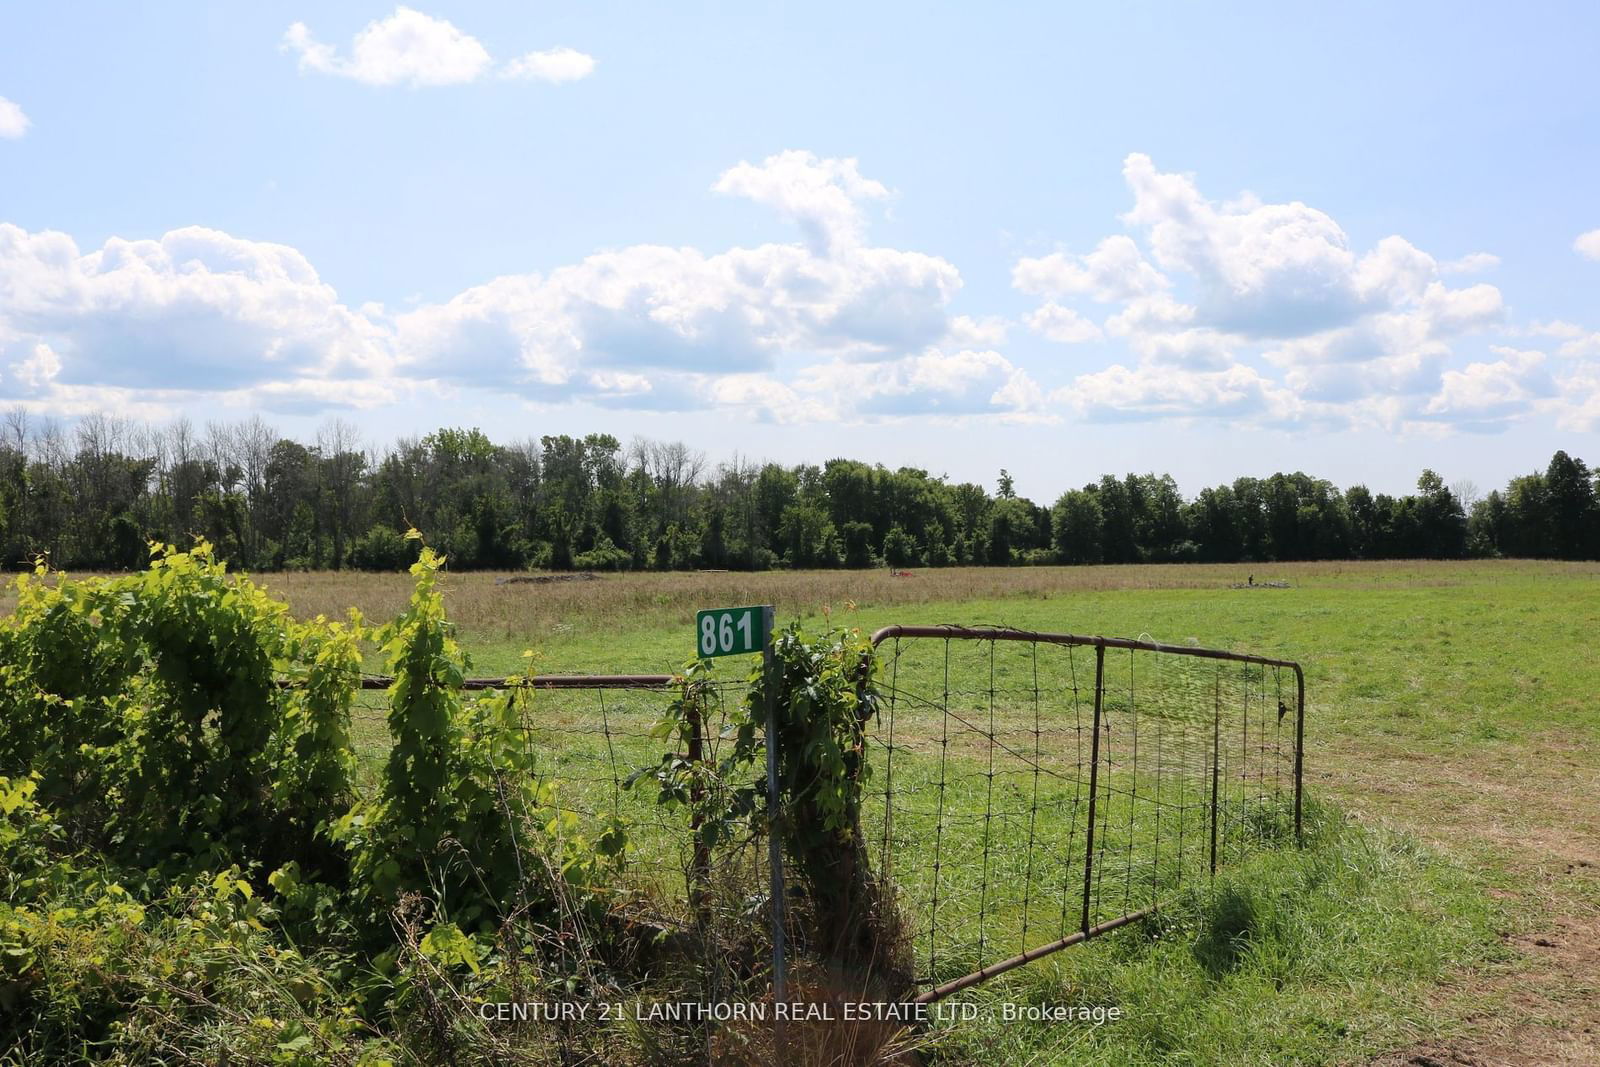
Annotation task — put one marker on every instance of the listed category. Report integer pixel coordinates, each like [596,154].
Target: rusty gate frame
[1100,644]
[541,681]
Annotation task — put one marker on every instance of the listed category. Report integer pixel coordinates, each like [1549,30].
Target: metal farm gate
[1026,791]
[1033,790]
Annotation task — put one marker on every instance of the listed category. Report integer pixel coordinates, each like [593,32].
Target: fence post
[1299,750]
[774,845]
[1216,767]
[700,865]
[1094,782]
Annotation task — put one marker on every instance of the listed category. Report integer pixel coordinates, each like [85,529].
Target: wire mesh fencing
[1026,790]
[1033,790]
[593,735]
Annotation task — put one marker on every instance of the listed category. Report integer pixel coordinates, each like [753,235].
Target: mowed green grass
[1437,653]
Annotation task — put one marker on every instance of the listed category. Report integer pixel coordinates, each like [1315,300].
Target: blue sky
[1355,239]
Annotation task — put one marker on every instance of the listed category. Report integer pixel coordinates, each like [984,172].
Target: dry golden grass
[647,601]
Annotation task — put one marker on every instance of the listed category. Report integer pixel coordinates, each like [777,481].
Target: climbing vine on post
[825,698]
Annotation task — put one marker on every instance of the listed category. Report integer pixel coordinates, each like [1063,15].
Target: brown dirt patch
[1530,810]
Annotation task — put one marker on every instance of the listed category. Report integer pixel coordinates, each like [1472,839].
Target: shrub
[604,556]
[900,548]
[857,538]
[149,707]
[382,548]
[154,767]
[88,968]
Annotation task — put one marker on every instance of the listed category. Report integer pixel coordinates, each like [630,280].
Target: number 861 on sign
[730,631]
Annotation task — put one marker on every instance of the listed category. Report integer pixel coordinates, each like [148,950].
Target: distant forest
[92,498]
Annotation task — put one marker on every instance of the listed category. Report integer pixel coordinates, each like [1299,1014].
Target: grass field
[1450,904]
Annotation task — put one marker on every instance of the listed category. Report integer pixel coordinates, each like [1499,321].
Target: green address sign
[731,631]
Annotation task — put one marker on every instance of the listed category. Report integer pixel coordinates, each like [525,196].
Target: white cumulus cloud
[407,47]
[1115,270]
[1577,405]
[1587,245]
[1252,313]
[767,400]
[1266,270]
[1062,324]
[1576,341]
[1392,354]
[951,384]
[1207,291]
[1555,328]
[38,370]
[1486,394]
[195,310]
[823,196]
[1473,263]
[13,123]
[1152,391]
[412,48]
[643,327]
[659,309]
[968,332]
[555,65]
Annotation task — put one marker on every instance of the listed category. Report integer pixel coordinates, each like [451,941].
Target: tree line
[94,497]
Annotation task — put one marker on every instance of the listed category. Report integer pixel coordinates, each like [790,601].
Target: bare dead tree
[673,468]
[16,428]
[339,443]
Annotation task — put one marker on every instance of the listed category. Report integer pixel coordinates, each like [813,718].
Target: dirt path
[1533,809]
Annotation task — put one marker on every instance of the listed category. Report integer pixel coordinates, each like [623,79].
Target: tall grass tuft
[1294,956]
